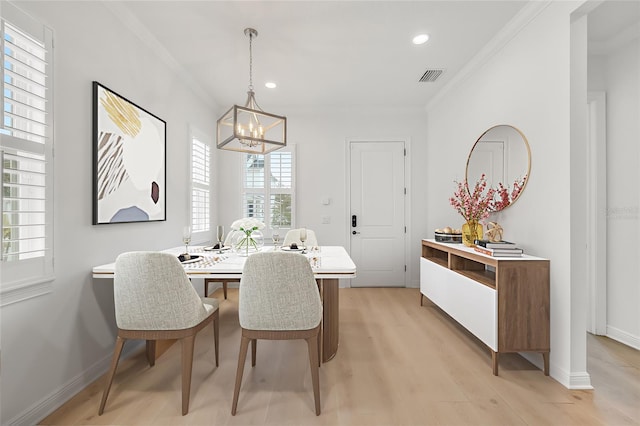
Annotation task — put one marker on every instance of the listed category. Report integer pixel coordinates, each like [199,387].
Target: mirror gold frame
[503,155]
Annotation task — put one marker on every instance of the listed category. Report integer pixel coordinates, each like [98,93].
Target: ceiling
[612,24]
[320,53]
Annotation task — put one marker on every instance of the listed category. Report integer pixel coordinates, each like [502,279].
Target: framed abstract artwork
[129,161]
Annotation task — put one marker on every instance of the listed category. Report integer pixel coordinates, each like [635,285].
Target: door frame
[407,198]
[597,213]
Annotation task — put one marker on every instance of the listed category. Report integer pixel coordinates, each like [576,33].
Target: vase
[471,231]
[245,244]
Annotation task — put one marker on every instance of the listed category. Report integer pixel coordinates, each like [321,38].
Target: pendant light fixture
[248,128]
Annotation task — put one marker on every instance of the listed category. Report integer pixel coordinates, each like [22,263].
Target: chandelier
[248,128]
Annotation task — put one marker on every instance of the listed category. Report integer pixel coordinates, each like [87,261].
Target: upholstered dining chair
[228,241]
[154,300]
[293,236]
[278,300]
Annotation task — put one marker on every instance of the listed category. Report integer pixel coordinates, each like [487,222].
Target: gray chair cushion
[278,292]
[152,292]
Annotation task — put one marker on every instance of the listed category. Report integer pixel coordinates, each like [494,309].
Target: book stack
[498,248]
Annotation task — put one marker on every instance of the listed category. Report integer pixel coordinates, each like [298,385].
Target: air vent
[431,75]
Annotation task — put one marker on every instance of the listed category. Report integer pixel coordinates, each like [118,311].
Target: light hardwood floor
[397,364]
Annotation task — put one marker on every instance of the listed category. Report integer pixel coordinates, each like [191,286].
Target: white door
[488,159]
[377,192]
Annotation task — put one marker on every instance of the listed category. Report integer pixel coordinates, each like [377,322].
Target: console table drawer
[472,304]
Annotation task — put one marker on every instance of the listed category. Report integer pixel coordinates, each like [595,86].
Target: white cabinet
[504,302]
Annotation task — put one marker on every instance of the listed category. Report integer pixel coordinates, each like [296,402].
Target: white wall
[524,84]
[617,73]
[54,345]
[321,138]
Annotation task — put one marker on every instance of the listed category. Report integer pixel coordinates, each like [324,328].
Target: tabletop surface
[326,262]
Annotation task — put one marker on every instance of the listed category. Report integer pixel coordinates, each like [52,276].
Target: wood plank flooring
[397,364]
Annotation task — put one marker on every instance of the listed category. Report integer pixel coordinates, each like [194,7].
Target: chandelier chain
[251,61]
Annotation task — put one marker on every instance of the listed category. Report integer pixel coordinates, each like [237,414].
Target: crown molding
[133,24]
[504,36]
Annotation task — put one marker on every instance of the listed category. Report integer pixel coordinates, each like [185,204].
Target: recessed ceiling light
[270,85]
[420,39]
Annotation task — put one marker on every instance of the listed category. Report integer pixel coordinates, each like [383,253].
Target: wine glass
[186,238]
[275,235]
[303,237]
[220,237]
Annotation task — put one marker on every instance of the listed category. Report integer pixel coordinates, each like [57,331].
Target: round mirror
[502,154]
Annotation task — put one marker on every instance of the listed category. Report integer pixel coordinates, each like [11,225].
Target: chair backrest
[152,292]
[293,236]
[278,292]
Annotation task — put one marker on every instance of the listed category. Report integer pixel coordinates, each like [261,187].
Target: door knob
[354,232]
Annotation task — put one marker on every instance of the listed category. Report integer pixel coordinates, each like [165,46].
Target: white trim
[596,213]
[623,337]
[495,45]
[47,405]
[26,289]
[573,381]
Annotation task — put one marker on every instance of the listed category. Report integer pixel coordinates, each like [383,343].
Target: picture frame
[129,160]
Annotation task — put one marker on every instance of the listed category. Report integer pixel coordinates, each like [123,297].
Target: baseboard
[581,380]
[41,409]
[623,337]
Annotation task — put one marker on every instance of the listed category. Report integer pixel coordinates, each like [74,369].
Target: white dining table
[329,265]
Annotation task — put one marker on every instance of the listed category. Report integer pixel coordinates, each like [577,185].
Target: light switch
[326,219]
[326,201]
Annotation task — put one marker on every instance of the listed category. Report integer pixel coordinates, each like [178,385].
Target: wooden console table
[503,301]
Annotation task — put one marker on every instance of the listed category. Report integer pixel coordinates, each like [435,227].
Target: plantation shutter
[268,187]
[201,186]
[26,154]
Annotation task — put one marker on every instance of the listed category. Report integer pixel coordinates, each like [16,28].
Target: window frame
[266,191]
[27,278]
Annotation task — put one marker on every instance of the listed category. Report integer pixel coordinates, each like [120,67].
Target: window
[26,148]
[200,188]
[268,189]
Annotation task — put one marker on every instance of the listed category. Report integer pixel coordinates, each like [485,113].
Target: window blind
[201,187]
[24,134]
[26,152]
[24,91]
[268,182]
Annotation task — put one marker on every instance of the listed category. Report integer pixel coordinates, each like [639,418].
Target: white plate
[285,248]
[191,260]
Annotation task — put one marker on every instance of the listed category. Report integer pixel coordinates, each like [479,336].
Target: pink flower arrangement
[504,197]
[478,204]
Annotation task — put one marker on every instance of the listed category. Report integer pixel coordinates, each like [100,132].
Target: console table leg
[494,362]
[545,357]
[421,298]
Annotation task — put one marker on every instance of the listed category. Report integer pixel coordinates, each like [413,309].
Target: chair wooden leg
[312,343]
[216,333]
[151,352]
[242,357]
[254,343]
[187,364]
[112,372]
[319,339]
[206,287]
